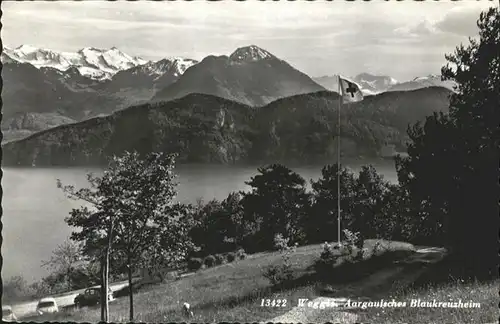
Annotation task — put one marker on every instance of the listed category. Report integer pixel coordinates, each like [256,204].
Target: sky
[401,39]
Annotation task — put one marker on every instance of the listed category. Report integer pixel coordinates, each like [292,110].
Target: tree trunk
[68,273]
[130,289]
[106,281]
[103,280]
[106,286]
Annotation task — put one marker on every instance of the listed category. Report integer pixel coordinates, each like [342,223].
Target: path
[335,310]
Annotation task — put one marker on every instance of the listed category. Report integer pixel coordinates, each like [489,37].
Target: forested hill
[208,129]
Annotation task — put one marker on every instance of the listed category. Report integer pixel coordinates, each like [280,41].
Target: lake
[34,208]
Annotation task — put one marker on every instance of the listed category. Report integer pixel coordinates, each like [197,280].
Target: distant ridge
[250,75]
[208,129]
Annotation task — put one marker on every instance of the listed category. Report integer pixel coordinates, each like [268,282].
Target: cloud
[460,21]
[317,37]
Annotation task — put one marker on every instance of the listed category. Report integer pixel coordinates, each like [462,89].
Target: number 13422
[273,302]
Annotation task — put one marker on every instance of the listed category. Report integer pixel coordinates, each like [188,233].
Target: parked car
[91,296]
[7,314]
[47,305]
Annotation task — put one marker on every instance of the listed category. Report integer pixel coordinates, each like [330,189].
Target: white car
[47,305]
[8,314]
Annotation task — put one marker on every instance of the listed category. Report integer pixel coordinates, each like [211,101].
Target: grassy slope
[233,292]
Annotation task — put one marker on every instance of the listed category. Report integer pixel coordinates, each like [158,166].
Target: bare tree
[64,258]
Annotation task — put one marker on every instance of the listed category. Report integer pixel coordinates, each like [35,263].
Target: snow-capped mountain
[370,84]
[138,84]
[249,75]
[374,84]
[175,65]
[250,53]
[91,62]
[431,80]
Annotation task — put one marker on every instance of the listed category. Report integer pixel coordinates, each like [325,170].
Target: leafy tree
[369,190]
[276,204]
[321,223]
[171,243]
[133,213]
[218,225]
[14,288]
[96,222]
[63,260]
[452,168]
[397,221]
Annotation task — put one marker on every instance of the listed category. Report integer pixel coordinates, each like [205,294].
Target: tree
[63,260]
[366,207]
[14,288]
[218,225]
[322,221]
[276,204]
[452,168]
[96,224]
[136,197]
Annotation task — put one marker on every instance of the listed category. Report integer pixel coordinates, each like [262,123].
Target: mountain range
[204,128]
[45,88]
[374,84]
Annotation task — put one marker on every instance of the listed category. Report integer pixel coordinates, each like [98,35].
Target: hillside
[209,129]
[250,75]
[302,128]
[203,128]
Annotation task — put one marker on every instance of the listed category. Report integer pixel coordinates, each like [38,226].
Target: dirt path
[375,286]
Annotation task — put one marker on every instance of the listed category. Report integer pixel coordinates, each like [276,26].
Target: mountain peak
[249,54]
[26,48]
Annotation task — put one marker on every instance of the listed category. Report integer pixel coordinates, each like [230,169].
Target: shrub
[231,257]
[349,253]
[281,274]
[209,261]
[280,242]
[242,256]
[219,259]
[194,264]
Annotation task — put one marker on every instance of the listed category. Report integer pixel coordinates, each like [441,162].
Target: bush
[242,256]
[349,253]
[209,261]
[281,274]
[231,257]
[219,259]
[194,264]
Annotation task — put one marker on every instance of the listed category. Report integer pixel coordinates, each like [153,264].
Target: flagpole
[338,162]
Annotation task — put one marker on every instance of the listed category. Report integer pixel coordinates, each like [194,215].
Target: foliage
[451,172]
[231,256]
[208,129]
[63,260]
[367,206]
[351,251]
[194,264]
[215,226]
[14,288]
[133,216]
[219,259]
[277,203]
[282,273]
[321,223]
[209,261]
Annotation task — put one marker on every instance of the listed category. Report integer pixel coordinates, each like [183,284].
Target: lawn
[486,294]
[233,292]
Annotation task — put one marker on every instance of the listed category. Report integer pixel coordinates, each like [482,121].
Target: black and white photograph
[250,161]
